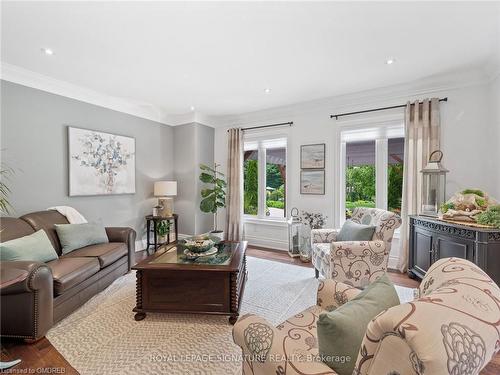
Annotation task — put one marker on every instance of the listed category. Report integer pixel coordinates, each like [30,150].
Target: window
[264,178]
[395,162]
[373,167]
[359,175]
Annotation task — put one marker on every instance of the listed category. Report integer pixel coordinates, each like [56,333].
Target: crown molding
[390,95]
[384,96]
[25,77]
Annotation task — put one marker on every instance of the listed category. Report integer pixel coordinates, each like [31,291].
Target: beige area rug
[102,336]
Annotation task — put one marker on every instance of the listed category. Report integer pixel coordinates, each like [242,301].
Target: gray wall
[34,143]
[193,144]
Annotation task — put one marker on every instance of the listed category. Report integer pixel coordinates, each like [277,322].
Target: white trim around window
[261,143]
[379,128]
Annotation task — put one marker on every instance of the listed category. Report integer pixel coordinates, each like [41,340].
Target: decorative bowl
[199,244]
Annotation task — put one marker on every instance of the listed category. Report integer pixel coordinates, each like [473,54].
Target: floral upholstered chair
[452,328]
[355,263]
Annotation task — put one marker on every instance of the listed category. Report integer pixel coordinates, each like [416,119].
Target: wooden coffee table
[168,282]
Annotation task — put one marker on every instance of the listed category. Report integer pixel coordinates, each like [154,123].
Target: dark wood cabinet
[432,239]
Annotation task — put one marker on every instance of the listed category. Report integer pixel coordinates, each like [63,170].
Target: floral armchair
[451,329]
[355,263]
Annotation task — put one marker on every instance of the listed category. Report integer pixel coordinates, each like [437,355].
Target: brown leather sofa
[51,291]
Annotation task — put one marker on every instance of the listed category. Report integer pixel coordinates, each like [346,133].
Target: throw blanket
[73,216]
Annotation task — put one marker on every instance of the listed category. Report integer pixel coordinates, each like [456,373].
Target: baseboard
[393,263]
[140,245]
[267,242]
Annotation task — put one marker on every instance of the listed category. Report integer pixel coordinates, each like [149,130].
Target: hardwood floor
[282,256]
[43,355]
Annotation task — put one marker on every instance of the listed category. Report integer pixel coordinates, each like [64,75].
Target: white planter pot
[219,234]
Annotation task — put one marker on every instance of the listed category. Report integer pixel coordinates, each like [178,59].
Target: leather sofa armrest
[37,276]
[125,235]
[27,304]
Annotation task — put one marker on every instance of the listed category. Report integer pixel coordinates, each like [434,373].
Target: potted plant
[5,173]
[213,197]
[162,230]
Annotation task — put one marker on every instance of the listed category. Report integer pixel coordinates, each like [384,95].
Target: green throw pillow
[352,231]
[36,246]
[341,331]
[76,236]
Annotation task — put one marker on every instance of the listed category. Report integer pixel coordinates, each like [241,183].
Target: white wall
[468,133]
[495,104]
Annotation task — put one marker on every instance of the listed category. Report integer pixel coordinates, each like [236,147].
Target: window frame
[383,127]
[261,177]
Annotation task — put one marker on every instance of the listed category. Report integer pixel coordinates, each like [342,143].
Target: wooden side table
[151,225]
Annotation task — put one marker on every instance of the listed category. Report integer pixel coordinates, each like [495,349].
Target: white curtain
[234,206]
[422,137]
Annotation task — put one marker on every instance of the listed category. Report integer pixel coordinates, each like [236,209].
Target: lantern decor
[294,225]
[433,184]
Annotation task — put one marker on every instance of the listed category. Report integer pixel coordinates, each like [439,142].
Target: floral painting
[100,163]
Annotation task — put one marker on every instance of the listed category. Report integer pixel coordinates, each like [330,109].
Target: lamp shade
[165,188]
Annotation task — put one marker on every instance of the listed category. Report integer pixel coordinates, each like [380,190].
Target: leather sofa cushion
[68,272]
[106,253]
[45,220]
[12,228]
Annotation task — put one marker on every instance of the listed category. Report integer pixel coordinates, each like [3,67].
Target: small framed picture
[312,156]
[312,182]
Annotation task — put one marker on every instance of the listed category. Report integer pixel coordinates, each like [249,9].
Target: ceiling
[220,57]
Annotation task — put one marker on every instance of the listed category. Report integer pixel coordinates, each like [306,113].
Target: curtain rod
[290,123]
[376,109]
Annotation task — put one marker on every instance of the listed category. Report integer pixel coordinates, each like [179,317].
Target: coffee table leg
[233,319]
[140,316]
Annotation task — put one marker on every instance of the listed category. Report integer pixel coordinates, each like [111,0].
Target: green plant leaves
[220,182]
[208,204]
[214,197]
[163,228]
[210,170]
[207,178]
[490,217]
[206,192]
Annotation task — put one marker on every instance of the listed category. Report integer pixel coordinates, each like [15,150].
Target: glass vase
[305,244]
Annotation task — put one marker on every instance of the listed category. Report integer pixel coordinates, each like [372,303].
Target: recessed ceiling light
[267,91]
[390,61]
[47,51]
[191,108]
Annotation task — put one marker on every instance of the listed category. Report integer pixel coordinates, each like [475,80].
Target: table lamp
[164,190]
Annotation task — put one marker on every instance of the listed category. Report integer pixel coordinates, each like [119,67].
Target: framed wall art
[312,182]
[100,163]
[312,156]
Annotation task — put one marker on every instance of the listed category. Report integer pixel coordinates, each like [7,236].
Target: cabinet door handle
[433,253]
